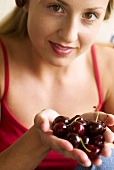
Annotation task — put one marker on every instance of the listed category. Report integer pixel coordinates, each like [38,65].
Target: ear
[26,6]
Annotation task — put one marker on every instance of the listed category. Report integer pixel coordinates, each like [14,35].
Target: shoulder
[105,56]
[105,59]
[106,49]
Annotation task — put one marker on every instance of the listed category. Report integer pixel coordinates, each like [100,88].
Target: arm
[28,152]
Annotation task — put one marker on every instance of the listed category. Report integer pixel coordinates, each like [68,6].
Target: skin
[33,62]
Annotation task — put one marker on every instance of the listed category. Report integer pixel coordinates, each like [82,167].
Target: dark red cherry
[60,119]
[84,122]
[95,151]
[60,129]
[98,141]
[86,140]
[77,128]
[94,129]
[74,139]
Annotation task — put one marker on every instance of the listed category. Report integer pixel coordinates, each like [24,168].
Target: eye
[56,8]
[90,16]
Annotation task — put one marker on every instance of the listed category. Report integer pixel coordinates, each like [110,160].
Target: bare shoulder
[105,60]
[105,48]
[105,56]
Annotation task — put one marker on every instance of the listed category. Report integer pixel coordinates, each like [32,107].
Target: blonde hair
[16,22]
[109,9]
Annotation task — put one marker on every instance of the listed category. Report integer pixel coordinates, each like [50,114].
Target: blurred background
[106,33]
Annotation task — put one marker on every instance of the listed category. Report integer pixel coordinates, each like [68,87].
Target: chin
[60,64]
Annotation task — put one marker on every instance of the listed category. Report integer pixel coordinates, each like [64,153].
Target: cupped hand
[108,134]
[108,119]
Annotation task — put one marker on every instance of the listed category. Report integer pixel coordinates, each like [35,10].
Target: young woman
[49,62]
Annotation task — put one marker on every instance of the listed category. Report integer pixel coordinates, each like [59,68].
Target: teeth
[62,48]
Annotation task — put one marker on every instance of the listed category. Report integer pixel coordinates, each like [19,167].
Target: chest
[68,99]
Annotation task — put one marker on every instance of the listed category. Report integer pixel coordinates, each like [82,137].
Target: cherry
[98,141]
[60,119]
[94,151]
[94,128]
[84,122]
[78,128]
[60,129]
[74,139]
[86,140]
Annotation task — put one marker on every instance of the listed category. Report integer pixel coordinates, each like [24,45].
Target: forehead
[78,2]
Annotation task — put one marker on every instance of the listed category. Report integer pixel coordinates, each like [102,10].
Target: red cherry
[83,122]
[98,141]
[94,129]
[60,129]
[86,140]
[95,151]
[74,139]
[60,119]
[77,128]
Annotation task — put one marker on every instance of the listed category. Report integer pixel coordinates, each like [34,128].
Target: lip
[60,49]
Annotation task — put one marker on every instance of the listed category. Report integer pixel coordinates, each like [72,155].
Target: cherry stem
[84,145]
[73,121]
[97,112]
[106,119]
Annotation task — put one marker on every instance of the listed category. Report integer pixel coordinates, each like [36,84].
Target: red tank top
[11,129]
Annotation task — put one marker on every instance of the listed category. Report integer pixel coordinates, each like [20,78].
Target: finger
[108,118]
[109,135]
[42,120]
[77,155]
[81,157]
[106,151]
[97,162]
[54,142]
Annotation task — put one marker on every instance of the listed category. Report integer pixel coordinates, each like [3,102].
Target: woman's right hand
[43,121]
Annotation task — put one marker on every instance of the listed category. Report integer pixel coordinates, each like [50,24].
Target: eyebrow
[95,8]
[63,2]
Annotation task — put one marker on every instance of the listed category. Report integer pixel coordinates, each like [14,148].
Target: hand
[43,121]
[109,135]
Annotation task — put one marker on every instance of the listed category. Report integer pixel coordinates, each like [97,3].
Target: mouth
[61,49]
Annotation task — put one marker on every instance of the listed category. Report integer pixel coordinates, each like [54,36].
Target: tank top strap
[6,68]
[96,71]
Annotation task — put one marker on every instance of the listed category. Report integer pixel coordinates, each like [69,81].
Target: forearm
[27,152]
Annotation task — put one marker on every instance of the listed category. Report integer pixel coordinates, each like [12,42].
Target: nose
[69,31]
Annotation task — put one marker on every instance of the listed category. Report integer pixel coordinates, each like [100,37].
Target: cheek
[88,35]
[34,29]
[40,26]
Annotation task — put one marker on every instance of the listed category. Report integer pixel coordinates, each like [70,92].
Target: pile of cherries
[82,134]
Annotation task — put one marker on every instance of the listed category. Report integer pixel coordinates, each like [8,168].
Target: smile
[60,49]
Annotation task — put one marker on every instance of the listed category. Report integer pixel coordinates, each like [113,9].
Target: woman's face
[61,30]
